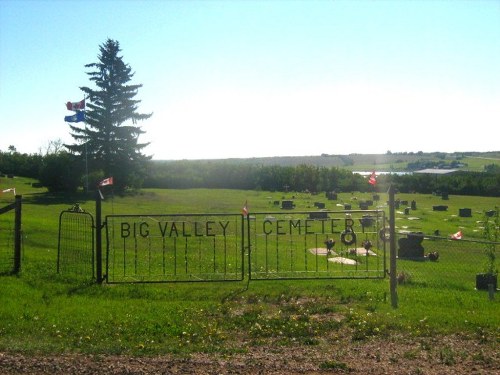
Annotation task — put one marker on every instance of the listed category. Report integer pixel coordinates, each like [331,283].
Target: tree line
[65,172]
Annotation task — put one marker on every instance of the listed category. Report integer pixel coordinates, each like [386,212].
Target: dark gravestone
[347,206]
[404,203]
[411,246]
[376,197]
[363,206]
[332,196]
[319,205]
[413,205]
[287,205]
[491,213]
[464,212]
[318,215]
[407,210]
[366,221]
[444,196]
[439,208]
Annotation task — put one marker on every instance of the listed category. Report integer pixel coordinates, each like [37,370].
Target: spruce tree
[110,138]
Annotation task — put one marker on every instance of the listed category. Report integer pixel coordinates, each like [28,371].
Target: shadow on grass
[58,198]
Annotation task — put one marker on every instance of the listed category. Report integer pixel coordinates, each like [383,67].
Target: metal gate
[75,249]
[174,248]
[322,244]
[224,247]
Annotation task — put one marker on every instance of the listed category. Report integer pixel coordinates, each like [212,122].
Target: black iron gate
[75,249]
[322,244]
[172,248]
[224,247]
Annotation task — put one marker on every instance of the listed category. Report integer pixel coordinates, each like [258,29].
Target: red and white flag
[106,181]
[75,106]
[457,236]
[245,209]
[13,190]
[372,180]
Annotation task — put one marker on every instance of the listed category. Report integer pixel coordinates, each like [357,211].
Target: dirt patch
[394,355]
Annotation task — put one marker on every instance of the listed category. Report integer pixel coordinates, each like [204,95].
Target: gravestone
[363,206]
[411,246]
[407,210]
[491,213]
[347,206]
[464,212]
[287,205]
[413,205]
[439,208]
[318,215]
[331,195]
[319,205]
[366,221]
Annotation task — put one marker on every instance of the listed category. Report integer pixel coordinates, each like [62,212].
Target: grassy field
[43,312]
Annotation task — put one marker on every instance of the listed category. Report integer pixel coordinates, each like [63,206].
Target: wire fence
[440,261]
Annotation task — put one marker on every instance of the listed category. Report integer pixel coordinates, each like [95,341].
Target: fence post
[17,235]
[392,249]
[98,237]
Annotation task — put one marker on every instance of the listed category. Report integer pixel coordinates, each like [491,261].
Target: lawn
[45,312]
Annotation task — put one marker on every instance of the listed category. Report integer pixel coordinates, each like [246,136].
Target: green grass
[43,312]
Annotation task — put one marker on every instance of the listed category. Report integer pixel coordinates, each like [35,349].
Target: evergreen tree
[109,140]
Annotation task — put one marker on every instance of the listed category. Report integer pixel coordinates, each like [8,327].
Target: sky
[244,79]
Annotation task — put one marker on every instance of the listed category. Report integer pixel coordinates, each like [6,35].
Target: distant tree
[111,138]
[60,172]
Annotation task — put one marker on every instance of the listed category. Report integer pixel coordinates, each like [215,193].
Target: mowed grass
[41,311]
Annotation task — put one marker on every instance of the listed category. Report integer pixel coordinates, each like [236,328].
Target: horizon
[252,79]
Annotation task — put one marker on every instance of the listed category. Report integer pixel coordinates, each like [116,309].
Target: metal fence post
[392,247]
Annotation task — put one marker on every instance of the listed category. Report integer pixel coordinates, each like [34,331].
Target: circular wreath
[348,234]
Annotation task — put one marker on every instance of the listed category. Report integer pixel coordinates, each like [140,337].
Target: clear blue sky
[229,79]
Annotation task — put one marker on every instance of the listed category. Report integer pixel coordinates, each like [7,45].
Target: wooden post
[17,235]
[392,247]
[98,237]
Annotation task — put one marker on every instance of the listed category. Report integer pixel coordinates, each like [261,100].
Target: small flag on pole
[372,180]
[245,209]
[106,181]
[13,190]
[79,116]
[457,236]
[75,106]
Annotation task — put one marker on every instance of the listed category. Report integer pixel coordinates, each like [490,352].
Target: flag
[11,189]
[245,209]
[79,116]
[106,181]
[372,180]
[75,106]
[457,236]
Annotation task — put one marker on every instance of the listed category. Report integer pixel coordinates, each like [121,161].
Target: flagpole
[86,159]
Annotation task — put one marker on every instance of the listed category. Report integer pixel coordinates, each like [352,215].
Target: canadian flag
[457,236]
[373,179]
[75,106]
[106,181]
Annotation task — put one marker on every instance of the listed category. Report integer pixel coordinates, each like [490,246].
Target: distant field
[380,162]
